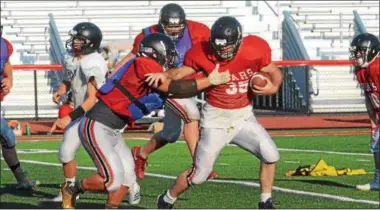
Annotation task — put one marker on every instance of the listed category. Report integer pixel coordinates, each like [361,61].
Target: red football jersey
[10,52]
[64,110]
[198,32]
[369,81]
[134,81]
[254,54]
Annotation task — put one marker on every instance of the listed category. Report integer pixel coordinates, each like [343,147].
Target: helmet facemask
[225,50]
[173,28]
[78,44]
[171,58]
[167,61]
[362,56]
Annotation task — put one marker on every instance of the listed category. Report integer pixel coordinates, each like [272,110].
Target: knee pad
[66,154]
[115,181]
[67,151]
[270,156]
[198,175]
[192,111]
[7,136]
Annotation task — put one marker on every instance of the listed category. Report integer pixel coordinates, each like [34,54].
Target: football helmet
[172,21]
[226,36]
[159,47]
[364,49]
[85,38]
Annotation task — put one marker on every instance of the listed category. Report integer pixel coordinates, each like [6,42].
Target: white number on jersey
[237,87]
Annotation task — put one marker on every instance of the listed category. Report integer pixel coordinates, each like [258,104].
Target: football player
[7,136]
[227,116]
[86,72]
[185,34]
[364,55]
[124,98]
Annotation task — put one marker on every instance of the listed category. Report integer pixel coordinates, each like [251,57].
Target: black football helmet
[159,47]
[172,15]
[88,37]
[226,36]
[364,49]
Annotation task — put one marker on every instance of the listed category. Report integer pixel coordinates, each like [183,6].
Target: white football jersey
[80,72]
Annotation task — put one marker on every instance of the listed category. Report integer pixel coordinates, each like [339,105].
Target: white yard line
[250,184]
[287,149]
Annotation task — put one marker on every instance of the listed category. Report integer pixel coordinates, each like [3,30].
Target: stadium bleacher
[325,28]
[26,26]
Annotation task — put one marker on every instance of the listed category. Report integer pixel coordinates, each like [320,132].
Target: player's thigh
[71,142]
[100,141]
[186,108]
[253,138]
[172,126]
[126,157]
[210,145]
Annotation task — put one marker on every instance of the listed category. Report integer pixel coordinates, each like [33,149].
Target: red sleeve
[10,47]
[266,53]
[64,110]
[146,65]
[199,31]
[191,59]
[136,43]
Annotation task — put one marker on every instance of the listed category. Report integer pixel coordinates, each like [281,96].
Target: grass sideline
[234,166]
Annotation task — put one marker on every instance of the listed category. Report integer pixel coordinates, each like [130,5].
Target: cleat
[212,175]
[59,197]
[369,187]
[267,204]
[28,185]
[162,204]
[134,196]
[139,162]
[68,196]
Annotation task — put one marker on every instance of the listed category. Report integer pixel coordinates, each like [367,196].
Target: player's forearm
[64,87]
[275,73]
[203,83]
[179,73]
[88,103]
[277,78]
[185,88]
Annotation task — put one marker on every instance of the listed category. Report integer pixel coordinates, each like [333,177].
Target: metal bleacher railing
[359,26]
[295,91]
[56,50]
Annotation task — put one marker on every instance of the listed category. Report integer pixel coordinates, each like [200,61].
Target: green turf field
[235,187]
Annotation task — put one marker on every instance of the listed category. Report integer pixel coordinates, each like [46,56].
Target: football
[258,79]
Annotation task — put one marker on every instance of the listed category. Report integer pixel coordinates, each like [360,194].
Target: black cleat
[267,204]
[162,204]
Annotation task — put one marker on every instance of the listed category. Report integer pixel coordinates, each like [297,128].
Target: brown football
[258,79]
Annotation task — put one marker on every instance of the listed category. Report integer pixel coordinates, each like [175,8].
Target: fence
[277,101]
